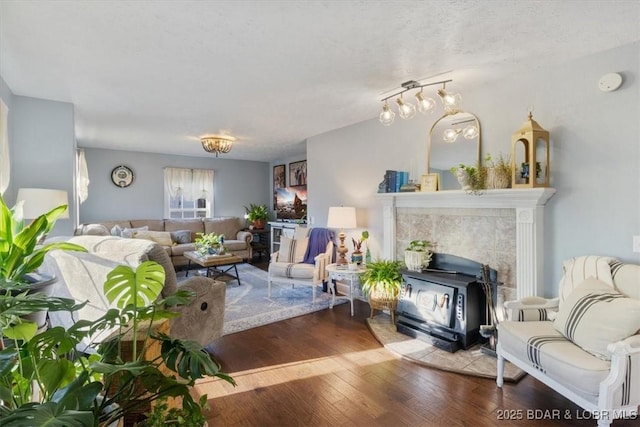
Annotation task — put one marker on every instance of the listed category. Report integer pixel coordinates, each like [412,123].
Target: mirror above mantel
[453,139]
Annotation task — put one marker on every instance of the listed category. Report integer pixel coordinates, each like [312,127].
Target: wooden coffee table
[216,265]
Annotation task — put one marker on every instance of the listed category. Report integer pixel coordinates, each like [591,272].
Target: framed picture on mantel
[429,182]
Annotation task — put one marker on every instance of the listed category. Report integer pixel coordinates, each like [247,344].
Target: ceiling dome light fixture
[450,102]
[217,143]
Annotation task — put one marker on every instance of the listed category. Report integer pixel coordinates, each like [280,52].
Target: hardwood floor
[326,369]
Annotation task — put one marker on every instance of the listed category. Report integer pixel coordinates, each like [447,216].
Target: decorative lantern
[530,156]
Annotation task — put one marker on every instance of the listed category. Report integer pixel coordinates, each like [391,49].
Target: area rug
[469,362]
[248,306]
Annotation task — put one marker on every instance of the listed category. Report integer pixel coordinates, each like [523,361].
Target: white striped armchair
[585,344]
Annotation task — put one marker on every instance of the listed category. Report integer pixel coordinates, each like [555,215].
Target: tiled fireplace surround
[501,228]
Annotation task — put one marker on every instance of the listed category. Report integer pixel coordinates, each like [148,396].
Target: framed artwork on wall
[279,181]
[298,173]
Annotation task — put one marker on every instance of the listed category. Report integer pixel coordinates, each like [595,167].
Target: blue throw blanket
[318,239]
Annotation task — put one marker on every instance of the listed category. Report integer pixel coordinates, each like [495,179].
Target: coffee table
[216,265]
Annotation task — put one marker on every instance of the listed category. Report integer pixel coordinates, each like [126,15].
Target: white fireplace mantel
[528,203]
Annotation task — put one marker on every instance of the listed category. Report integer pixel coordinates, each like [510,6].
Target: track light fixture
[407,110]
[468,132]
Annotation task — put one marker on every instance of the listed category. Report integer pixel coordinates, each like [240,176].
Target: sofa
[584,344]
[177,236]
[81,275]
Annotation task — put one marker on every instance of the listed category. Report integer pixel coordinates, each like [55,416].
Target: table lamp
[39,201]
[342,217]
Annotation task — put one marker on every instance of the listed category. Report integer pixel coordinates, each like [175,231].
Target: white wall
[236,184]
[595,154]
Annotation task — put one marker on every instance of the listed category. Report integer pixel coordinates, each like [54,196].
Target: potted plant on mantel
[382,282]
[45,380]
[418,255]
[257,215]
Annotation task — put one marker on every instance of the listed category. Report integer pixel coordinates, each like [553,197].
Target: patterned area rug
[469,362]
[247,306]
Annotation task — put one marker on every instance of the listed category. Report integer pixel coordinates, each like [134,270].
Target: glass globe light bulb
[450,135]
[450,101]
[470,132]
[406,109]
[425,105]
[387,116]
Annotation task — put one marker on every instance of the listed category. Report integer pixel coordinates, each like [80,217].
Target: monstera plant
[46,380]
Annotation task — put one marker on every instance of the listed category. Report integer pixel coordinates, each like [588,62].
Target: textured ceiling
[155,75]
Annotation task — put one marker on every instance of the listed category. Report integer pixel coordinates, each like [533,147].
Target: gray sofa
[236,240]
[81,276]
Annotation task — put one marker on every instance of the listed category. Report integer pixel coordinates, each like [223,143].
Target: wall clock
[122,176]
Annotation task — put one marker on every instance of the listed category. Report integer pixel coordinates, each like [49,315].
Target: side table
[344,274]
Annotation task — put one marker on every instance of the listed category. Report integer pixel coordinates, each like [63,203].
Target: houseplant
[356,255]
[382,281]
[257,214]
[471,178]
[209,244]
[417,255]
[498,171]
[45,380]
[21,256]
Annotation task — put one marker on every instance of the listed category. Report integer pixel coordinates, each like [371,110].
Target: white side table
[343,274]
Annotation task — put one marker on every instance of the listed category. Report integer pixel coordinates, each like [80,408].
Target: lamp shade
[342,217]
[38,201]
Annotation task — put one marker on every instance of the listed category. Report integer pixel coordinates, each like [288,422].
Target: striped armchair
[584,344]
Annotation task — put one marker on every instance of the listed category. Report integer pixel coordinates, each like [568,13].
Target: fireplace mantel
[528,204]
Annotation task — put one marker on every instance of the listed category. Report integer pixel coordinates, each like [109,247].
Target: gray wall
[236,184]
[7,97]
[595,154]
[42,150]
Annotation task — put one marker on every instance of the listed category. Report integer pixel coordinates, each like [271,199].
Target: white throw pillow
[292,250]
[595,315]
[129,232]
[116,231]
[95,230]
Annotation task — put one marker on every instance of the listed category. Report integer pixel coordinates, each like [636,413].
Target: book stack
[395,180]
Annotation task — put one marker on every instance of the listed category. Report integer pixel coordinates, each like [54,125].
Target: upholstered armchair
[299,261]
[584,344]
[81,276]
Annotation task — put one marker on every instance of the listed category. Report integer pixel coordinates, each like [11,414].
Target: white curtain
[203,185]
[177,181]
[82,177]
[5,163]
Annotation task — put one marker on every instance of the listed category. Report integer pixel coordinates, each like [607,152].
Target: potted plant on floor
[418,255]
[46,380]
[382,282]
[21,256]
[257,215]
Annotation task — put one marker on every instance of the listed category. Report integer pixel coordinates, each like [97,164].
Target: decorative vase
[496,179]
[417,260]
[463,179]
[356,258]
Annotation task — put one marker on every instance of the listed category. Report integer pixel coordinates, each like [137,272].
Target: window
[188,193]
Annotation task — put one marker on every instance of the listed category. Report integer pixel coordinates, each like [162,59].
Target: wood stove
[445,304]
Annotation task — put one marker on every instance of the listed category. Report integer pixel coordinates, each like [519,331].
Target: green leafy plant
[206,243]
[382,276]
[357,243]
[419,246]
[74,389]
[19,253]
[257,212]
[477,176]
